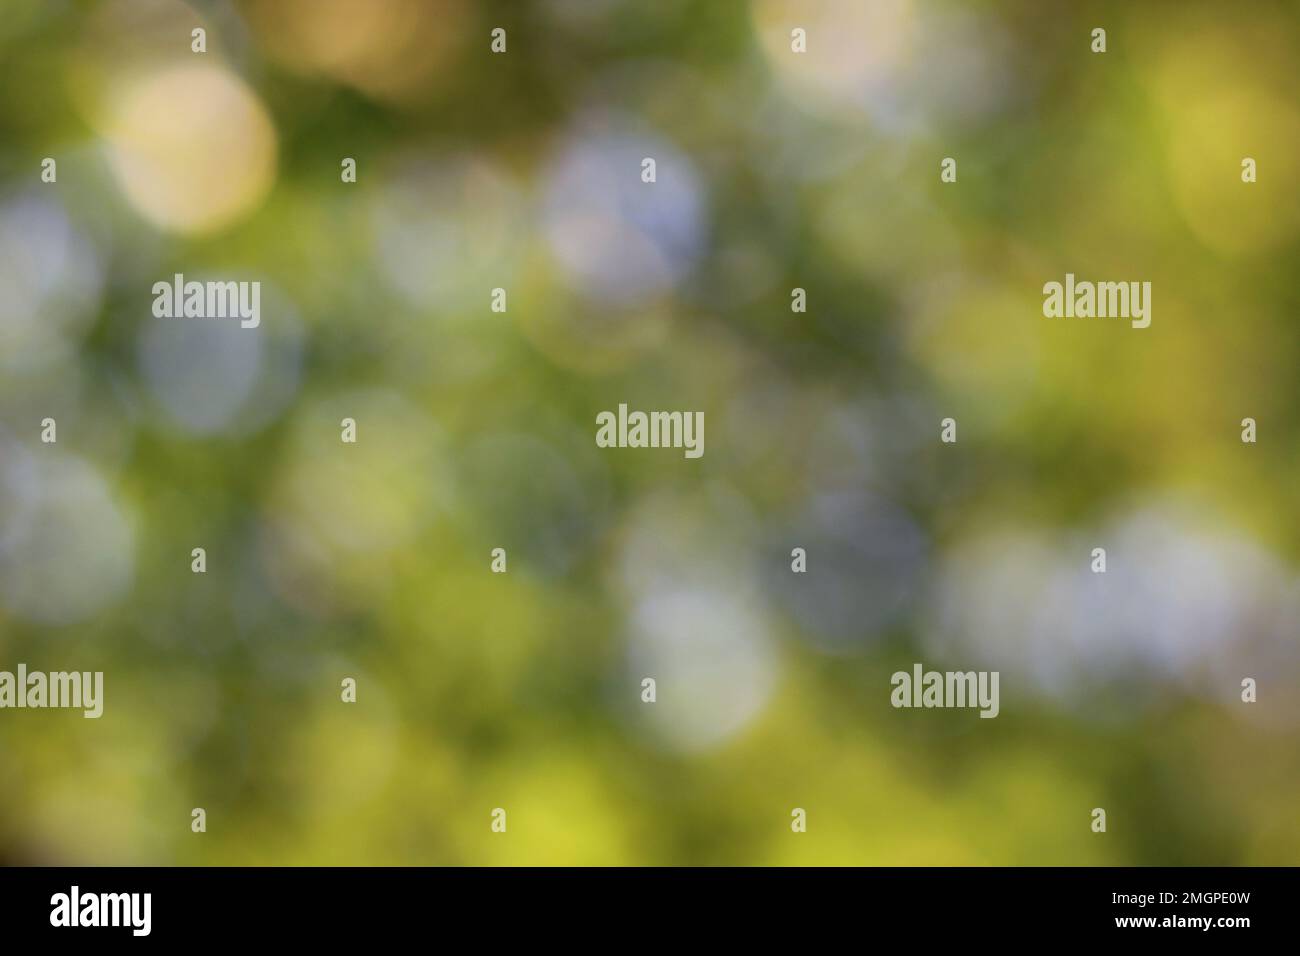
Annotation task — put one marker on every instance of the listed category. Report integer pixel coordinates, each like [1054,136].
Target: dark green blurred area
[522,690]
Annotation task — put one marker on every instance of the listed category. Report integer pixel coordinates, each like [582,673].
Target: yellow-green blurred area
[475,430]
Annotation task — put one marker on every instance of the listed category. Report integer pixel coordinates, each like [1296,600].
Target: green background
[476,431]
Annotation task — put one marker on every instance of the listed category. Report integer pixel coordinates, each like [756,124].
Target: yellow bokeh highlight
[192,147]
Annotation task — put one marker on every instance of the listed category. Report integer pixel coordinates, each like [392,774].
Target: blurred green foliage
[777,170]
